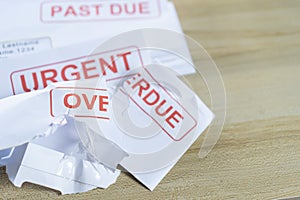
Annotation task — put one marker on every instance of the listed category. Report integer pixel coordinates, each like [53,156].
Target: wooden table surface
[256,45]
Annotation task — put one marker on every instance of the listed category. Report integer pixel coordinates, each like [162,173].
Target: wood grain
[256,45]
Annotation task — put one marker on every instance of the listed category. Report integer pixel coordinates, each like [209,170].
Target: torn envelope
[156,118]
[59,162]
[67,167]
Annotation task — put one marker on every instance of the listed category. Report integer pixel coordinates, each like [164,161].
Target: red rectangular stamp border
[83,88]
[95,20]
[194,120]
[72,59]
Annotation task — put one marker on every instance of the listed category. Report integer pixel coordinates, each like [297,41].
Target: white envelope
[32,30]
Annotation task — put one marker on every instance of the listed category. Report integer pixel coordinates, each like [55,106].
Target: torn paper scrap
[59,161]
[156,117]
